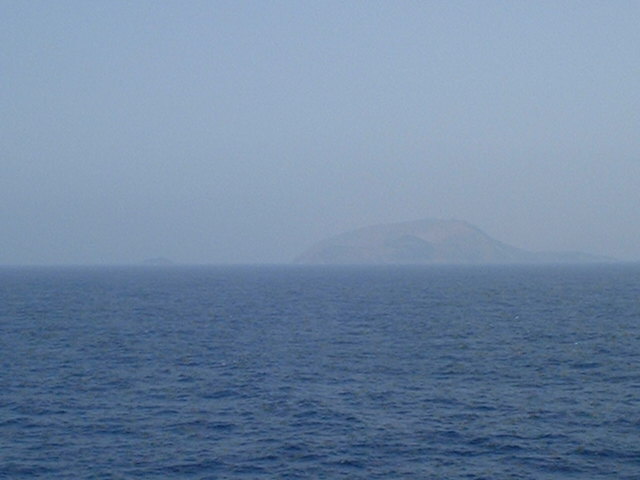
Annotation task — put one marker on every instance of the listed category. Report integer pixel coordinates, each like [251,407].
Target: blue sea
[320,373]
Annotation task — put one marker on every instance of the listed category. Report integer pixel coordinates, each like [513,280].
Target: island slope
[426,241]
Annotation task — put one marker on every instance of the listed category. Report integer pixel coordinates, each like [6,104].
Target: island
[428,241]
[157,262]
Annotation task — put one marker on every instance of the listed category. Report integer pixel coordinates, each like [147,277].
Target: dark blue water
[213,373]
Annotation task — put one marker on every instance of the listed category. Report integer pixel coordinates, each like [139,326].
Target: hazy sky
[241,132]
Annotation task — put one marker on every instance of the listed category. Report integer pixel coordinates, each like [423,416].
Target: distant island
[428,241]
[157,262]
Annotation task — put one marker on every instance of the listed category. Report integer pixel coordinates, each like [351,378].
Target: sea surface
[320,373]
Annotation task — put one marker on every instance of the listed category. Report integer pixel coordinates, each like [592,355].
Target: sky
[223,132]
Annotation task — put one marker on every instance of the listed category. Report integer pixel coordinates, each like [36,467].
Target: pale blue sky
[242,132]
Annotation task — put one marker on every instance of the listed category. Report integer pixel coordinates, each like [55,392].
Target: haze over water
[226,132]
[244,132]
